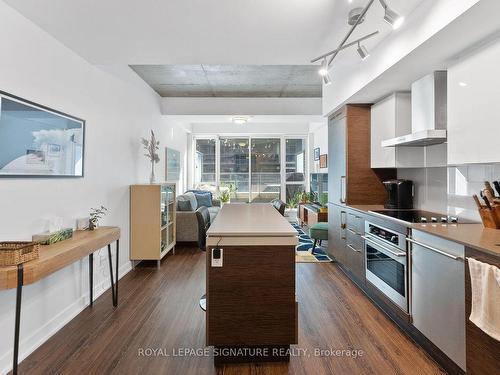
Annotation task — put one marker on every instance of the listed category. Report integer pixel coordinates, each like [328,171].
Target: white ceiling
[202,31]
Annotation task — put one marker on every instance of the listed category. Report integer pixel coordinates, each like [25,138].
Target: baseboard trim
[29,344]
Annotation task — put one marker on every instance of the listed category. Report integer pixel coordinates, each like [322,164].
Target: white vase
[291,214]
[152,178]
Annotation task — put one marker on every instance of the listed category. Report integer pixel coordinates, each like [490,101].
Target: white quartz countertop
[250,220]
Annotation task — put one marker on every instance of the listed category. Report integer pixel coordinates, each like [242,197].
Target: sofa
[196,210]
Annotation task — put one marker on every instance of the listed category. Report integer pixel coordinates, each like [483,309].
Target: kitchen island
[251,307]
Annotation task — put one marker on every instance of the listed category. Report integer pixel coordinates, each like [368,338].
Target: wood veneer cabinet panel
[363,184]
[251,299]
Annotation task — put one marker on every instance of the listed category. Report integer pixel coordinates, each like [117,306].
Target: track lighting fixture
[363,52]
[327,80]
[392,17]
[323,70]
[356,17]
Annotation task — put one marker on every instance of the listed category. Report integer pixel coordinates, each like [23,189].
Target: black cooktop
[419,216]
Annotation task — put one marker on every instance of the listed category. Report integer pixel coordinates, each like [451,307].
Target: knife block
[490,218]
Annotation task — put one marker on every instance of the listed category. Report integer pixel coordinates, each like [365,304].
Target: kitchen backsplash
[450,189]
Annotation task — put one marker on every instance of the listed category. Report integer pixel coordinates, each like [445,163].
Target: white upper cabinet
[390,118]
[473,108]
[383,126]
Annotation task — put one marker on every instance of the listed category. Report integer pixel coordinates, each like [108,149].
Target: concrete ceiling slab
[237,81]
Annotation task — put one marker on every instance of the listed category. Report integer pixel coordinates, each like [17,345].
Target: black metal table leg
[91,278]
[17,326]
[111,274]
[117,269]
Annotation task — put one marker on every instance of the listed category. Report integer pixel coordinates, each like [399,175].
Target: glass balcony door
[205,162]
[295,165]
[266,169]
[235,167]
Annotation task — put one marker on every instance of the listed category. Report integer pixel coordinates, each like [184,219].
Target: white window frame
[250,136]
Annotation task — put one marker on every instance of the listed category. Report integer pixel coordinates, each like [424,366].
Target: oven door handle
[398,254]
[411,240]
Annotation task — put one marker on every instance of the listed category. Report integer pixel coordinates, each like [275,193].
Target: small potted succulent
[96,214]
[225,197]
[291,207]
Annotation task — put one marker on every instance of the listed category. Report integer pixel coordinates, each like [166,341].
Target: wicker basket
[14,253]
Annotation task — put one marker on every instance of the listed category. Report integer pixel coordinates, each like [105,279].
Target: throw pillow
[184,204]
[204,199]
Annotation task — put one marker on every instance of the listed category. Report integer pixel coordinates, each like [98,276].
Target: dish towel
[485,285]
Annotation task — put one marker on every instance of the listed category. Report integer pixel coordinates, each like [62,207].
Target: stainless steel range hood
[428,113]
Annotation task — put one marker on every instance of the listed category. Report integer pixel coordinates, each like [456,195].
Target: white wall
[318,138]
[251,128]
[117,112]
[241,106]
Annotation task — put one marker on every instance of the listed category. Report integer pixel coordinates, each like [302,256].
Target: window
[257,169]
[295,166]
[266,169]
[205,162]
[234,167]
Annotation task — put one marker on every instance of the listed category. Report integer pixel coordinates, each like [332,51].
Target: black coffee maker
[400,195]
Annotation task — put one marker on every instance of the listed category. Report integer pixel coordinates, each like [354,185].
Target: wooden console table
[55,257]
[309,215]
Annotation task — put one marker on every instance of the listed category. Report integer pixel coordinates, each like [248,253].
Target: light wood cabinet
[473,115]
[152,221]
[350,177]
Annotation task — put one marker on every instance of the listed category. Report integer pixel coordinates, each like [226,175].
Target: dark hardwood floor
[158,309]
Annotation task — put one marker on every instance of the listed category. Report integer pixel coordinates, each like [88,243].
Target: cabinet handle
[342,193]
[353,232]
[353,248]
[434,249]
[342,225]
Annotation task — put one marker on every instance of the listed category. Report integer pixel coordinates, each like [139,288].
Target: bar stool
[318,232]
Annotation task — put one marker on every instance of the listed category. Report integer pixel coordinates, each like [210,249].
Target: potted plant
[225,197]
[323,200]
[291,210]
[95,215]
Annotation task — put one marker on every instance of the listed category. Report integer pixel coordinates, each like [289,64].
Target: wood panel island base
[251,307]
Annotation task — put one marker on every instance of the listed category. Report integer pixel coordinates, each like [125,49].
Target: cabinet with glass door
[152,221]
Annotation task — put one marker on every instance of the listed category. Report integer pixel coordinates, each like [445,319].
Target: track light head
[323,70]
[392,18]
[327,80]
[363,52]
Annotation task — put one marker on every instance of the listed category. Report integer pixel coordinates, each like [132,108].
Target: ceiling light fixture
[240,120]
[323,70]
[363,52]
[327,80]
[356,17]
[391,17]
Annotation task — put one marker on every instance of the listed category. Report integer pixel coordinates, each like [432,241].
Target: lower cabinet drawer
[354,239]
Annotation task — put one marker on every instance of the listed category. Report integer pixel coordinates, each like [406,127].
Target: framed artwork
[323,161]
[172,164]
[36,141]
[316,154]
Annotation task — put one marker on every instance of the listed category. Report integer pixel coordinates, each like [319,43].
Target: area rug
[303,249]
